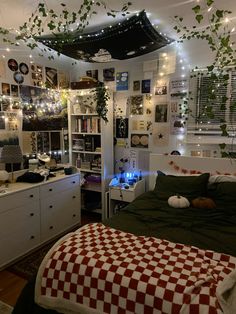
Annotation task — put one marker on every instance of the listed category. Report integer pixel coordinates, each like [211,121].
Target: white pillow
[221,178]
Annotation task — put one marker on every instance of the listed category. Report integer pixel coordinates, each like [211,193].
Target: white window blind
[199,120]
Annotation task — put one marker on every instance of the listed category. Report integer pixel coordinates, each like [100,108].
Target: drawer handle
[51,206]
[32,237]
[31,195]
[51,227]
[50,190]
[31,214]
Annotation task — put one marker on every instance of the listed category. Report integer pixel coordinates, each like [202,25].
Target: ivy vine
[60,24]
[101,97]
[211,25]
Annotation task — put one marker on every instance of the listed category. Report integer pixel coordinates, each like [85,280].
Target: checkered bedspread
[98,269]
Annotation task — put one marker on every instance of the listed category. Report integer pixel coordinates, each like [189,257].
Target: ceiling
[14,13]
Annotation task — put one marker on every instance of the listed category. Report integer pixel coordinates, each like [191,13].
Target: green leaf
[210,2]
[196,9]
[199,18]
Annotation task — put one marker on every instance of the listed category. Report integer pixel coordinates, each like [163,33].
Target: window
[205,119]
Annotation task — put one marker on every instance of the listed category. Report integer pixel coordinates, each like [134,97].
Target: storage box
[85,164]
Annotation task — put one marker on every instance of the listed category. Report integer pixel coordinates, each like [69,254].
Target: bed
[150,257]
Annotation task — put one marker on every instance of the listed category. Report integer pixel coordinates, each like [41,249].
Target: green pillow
[187,186]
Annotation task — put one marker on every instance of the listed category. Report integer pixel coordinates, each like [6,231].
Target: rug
[5,308]
[28,266]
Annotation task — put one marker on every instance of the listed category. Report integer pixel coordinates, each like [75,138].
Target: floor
[11,285]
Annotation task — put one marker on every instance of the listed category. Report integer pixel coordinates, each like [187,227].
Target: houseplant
[211,25]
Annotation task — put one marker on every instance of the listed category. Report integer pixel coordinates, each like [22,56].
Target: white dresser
[31,214]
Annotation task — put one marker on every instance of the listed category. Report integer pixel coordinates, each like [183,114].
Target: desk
[118,193]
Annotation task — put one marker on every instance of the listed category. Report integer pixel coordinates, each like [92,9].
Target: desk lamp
[11,154]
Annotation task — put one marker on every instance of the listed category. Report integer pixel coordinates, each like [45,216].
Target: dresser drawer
[59,186]
[122,195]
[18,199]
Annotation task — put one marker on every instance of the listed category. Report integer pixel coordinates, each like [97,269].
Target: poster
[160,135]
[122,127]
[109,74]
[51,78]
[146,86]
[122,81]
[136,104]
[178,87]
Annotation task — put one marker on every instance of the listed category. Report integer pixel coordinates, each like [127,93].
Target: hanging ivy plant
[101,97]
[211,25]
[60,23]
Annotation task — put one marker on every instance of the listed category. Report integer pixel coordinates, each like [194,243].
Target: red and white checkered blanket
[97,269]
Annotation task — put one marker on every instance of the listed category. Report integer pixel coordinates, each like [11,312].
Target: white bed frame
[190,164]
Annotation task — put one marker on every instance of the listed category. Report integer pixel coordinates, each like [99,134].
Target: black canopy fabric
[133,37]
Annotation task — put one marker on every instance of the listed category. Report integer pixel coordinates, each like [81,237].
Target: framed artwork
[24,69]
[109,74]
[161,113]
[122,127]
[6,89]
[63,80]
[146,86]
[136,86]
[139,140]
[122,81]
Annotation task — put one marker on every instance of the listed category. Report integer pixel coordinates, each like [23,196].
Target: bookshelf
[91,148]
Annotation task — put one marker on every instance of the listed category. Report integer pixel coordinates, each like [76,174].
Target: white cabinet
[91,148]
[124,193]
[60,206]
[30,216]
[19,224]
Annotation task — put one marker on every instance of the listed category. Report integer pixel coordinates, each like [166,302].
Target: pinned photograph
[136,86]
[161,90]
[161,113]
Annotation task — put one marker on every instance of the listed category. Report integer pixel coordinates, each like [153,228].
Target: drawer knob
[73,196]
[31,214]
[73,182]
[50,206]
[31,195]
[32,237]
[51,227]
[74,215]
[50,190]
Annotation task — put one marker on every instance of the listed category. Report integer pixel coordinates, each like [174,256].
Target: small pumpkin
[178,201]
[203,202]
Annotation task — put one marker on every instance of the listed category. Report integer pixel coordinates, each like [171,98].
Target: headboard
[184,165]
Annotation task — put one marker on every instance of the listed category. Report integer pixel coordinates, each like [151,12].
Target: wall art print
[51,77]
[36,74]
[146,86]
[122,81]
[109,74]
[160,135]
[122,127]
[136,86]
[6,89]
[161,111]
[139,140]
[136,104]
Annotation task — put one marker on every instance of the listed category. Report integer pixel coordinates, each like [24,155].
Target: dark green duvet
[213,229]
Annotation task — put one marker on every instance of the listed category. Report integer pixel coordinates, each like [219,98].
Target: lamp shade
[11,154]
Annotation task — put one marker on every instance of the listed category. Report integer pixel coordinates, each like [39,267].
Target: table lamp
[11,154]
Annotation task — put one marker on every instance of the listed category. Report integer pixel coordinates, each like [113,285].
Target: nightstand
[124,193]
